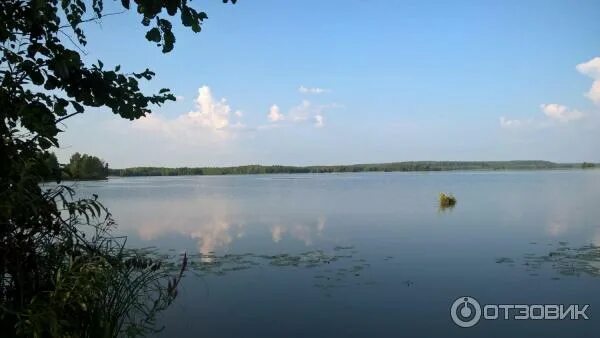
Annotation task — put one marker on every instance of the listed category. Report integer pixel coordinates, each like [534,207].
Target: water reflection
[218,224]
[556,227]
[277,232]
[305,233]
[216,234]
[596,238]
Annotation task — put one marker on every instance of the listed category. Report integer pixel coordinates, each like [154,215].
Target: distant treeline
[386,167]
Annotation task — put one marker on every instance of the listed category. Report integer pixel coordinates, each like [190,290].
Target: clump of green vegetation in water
[447,201]
[586,165]
[568,261]
[564,260]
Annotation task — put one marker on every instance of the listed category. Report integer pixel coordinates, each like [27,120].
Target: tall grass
[96,286]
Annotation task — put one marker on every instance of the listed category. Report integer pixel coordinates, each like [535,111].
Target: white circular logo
[465,311]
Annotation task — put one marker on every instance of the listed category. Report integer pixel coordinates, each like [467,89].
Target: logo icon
[465,311]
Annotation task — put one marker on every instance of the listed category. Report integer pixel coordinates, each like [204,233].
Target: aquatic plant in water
[564,260]
[333,268]
[567,261]
[446,200]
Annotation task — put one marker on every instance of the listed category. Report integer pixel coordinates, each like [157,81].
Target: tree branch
[84,52]
[95,18]
[66,117]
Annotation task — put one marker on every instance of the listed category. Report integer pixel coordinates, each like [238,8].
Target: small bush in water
[447,200]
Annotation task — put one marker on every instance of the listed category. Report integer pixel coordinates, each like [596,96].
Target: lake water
[371,253]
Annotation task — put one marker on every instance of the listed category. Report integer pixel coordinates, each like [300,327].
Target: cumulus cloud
[561,113]
[591,68]
[312,90]
[214,121]
[275,114]
[594,92]
[210,114]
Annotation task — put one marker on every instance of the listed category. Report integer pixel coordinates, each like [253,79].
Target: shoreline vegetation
[410,166]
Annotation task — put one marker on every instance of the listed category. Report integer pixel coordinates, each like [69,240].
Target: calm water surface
[400,263]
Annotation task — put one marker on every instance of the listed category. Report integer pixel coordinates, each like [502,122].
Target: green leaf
[196,27]
[169,42]
[171,7]
[153,35]
[186,17]
[36,77]
[60,107]
[38,118]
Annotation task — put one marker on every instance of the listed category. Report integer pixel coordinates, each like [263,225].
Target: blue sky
[331,82]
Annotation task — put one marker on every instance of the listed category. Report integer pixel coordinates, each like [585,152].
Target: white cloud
[214,121]
[561,113]
[554,113]
[209,112]
[594,92]
[306,111]
[312,90]
[275,114]
[591,68]
[179,97]
[210,115]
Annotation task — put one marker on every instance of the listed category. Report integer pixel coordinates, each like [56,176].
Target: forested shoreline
[374,167]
